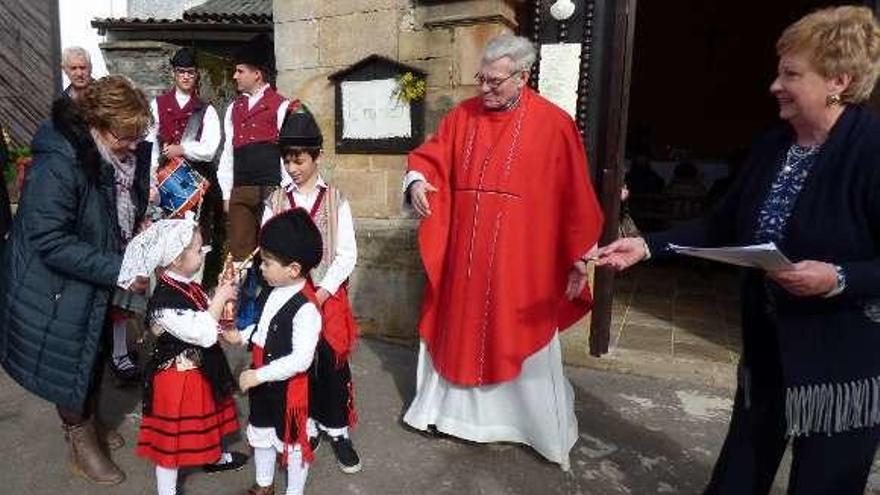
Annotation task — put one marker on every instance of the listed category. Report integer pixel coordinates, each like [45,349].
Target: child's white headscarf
[157,246]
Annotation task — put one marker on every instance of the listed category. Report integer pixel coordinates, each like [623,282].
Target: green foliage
[10,168]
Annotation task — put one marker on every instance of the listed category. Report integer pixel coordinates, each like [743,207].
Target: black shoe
[237,462]
[315,442]
[125,369]
[346,457]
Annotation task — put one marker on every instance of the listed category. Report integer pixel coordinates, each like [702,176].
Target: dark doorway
[699,94]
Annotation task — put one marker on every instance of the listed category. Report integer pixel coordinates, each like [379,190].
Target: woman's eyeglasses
[127,140]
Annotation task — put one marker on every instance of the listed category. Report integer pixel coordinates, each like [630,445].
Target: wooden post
[619,22]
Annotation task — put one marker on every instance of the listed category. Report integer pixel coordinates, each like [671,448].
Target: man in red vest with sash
[508,216]
[250,166]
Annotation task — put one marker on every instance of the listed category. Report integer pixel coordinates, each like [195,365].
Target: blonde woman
[809,372]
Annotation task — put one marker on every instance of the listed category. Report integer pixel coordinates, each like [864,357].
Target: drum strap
[194,124]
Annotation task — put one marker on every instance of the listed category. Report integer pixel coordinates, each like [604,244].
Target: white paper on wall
[560,71]
[371,110]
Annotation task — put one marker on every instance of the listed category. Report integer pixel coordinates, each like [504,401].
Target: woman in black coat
[809,371]
[84,192]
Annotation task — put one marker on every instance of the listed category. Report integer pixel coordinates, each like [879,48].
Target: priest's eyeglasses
[492,82]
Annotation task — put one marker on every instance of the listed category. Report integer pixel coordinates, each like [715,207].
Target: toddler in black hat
[283,344]
[332,411]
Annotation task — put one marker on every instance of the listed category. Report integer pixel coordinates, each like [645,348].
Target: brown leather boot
[86,458]
[109,436]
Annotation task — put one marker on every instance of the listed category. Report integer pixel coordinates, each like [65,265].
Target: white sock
[297,472]
[264,460]
[333,432]
[120,344]
[224,458]
[312,428]
[166,480]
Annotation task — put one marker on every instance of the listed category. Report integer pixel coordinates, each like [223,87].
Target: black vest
[268,400]
[256,164]
[212,361]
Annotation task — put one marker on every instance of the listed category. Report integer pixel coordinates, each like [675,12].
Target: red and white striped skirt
[186,424]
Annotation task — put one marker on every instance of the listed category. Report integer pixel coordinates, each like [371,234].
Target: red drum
[181,188]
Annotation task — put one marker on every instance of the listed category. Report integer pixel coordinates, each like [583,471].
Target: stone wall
[313,39]
[144,62]
[147,64]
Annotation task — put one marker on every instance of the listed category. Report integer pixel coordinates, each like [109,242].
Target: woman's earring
[832,100]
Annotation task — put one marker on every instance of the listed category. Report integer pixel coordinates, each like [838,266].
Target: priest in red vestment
[508,216]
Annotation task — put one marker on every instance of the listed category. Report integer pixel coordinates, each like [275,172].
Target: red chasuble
[514,211]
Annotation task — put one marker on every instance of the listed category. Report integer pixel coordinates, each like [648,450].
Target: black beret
[293,237]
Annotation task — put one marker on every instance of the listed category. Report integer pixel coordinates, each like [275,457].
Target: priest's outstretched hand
[418,196]
[577,280]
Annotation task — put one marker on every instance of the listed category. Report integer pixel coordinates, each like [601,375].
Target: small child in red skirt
[188,386]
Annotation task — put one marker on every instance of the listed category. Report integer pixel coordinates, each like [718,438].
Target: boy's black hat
[299,128]
[259,52]
[293,236]
[185,57]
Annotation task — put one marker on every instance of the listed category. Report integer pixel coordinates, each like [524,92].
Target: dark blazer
[806,343]
[62,261]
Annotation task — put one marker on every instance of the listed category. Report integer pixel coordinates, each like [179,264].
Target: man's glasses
[186,72]
[492,82]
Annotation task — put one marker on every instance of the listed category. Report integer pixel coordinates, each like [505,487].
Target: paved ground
[637,436]
[676,319]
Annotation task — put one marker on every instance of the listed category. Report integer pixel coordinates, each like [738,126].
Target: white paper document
[765,256]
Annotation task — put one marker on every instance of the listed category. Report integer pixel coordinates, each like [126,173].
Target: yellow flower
[410,88]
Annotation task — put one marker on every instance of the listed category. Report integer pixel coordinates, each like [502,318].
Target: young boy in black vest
[331,406]
[283,344]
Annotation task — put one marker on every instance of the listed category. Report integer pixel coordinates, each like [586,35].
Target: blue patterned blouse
[784,191]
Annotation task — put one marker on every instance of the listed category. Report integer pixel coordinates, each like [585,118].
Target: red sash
[296,409]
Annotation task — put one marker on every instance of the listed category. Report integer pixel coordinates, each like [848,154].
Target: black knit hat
[299,128]
[185,57]
[293,237]
[259,52]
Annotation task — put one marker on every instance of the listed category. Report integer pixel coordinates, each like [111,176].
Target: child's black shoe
[236,461]
[346,456]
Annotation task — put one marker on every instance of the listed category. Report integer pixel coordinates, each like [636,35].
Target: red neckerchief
[321,191]
[192,291]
